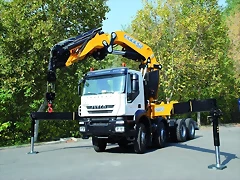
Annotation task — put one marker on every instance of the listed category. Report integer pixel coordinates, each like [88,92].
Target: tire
[99,145]
[181,130]
[140,142]
[190,129]
[160,135]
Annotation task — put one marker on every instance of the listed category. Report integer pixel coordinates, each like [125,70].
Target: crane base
[217,167]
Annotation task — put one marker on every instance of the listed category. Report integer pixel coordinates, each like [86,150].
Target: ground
[78,160]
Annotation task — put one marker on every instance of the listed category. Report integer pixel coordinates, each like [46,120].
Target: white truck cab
[111,102]
[112,92]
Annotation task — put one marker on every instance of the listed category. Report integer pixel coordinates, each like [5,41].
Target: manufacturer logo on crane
[138,44]
[159,109]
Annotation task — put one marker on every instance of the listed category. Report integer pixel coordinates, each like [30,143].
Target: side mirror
[135,84]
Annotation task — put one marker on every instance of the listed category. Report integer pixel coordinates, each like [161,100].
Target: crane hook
[50,109]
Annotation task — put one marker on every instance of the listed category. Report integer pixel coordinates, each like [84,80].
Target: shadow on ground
[64,148]
[130,148]
[112,148]
[127,150]
[228,156]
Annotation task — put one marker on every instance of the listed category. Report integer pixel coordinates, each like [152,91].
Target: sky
[122,12]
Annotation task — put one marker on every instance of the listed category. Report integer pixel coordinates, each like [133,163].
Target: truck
[114,109]
[120,105]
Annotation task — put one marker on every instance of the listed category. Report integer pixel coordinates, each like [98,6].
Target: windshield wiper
[90,93]
[107,92]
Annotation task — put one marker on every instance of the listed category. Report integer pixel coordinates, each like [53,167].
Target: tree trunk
[42,108]
[199,119]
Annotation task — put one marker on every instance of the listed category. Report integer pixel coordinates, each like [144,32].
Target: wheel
[181,130]
[160,135]
[140,142]
[99,145]
[190,128]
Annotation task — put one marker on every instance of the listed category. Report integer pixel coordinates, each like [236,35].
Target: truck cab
[112,92]
[111,101]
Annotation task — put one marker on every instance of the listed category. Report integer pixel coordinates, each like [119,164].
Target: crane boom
[98,45]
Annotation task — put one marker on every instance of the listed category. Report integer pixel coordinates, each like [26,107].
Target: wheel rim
[192,129]
[143,137]
[183,131]
[162,134]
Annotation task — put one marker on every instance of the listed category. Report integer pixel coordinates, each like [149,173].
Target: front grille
[99,124]
[102,119]
[100,111]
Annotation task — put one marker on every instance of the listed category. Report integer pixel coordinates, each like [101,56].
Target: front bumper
[107,126]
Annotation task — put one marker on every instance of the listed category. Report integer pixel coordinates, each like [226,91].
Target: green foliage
[232,7]
[231,16]
[190,40]
[28,29]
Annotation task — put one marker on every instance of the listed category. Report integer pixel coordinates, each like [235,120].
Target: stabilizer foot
[33,152]
[217,167]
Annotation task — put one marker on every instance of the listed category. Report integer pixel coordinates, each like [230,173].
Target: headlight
[120,129]
[82,129]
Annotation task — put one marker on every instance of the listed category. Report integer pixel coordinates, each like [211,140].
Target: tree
[234,35]
[28,29]
[232,7]
[190,40]
[232,15]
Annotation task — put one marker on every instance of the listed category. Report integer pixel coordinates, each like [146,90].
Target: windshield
[104,84]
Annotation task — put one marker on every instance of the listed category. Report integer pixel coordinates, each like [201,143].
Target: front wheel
[140,142]
[99,145]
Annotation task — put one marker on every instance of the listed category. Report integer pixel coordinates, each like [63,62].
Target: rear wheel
[99,145]
[160,135]
[181,130]
[190,128]
[140,143]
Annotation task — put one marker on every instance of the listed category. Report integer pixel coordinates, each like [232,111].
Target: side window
[129,84]
[132,87]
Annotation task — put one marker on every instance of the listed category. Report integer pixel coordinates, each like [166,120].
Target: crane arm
[98,45]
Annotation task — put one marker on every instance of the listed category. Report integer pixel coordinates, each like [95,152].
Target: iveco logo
[99,107]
